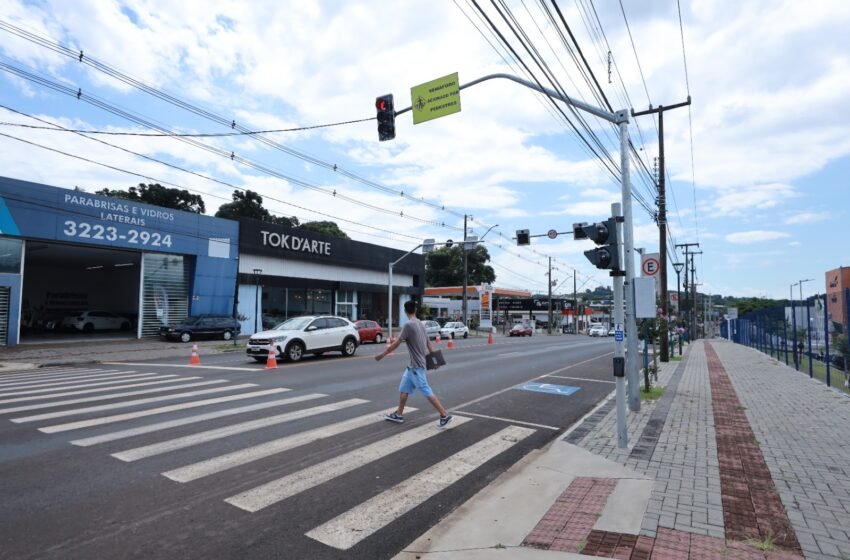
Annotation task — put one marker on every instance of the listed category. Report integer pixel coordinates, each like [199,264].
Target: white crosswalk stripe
[257,452]
[65,380]
[128,404]
[55,404]
[146,383]
[288,486]
[53,388]
[211,435]
[51,374]
[362,521]
[130,432]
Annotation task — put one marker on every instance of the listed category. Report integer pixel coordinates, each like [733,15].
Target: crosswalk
[98,405]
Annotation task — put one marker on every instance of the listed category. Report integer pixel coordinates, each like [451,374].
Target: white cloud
[808,218]
[756,236]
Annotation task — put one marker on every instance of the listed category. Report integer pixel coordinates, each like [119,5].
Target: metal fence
[803,335]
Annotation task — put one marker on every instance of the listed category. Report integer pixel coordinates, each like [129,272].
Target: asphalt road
[229,460]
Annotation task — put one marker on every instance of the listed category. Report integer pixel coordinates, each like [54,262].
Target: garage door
[165,292]
[4,314]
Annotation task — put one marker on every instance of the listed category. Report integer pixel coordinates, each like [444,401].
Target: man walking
[413,333]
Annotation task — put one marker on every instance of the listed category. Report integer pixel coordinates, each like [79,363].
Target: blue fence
[802,335]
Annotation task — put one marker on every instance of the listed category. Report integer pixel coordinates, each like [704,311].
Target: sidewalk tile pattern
[571,518]
[751,505]
[802,429]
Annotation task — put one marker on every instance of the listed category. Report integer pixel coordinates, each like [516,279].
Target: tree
[328,228]
[156,194]
[444,267]
[249,204]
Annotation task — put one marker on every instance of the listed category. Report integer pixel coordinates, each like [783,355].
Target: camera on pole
[606,257]
[386,117]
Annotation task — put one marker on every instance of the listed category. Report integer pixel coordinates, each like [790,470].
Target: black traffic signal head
[523,237]
[386,117]
[604,233]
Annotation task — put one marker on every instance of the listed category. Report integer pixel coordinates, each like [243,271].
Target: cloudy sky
[757,166]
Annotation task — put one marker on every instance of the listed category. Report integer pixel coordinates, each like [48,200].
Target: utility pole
[575,305]
[662,219]
[463,310]
[694,288]
[550,296]
[687,247]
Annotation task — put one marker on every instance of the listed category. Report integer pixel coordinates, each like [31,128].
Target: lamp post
[471,240]
[428,246]
[257,273]
[800,283]
[677,266]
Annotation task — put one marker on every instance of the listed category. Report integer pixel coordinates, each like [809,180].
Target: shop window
[10,255]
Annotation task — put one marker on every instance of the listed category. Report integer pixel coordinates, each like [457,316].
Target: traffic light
[605,234]
[386,117]
[523,237]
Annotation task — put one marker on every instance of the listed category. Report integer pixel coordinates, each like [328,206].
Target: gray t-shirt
[413,333]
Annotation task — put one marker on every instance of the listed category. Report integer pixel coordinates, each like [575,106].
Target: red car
[370,331]
[521,330]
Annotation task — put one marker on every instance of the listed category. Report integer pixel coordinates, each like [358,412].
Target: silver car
[432,329]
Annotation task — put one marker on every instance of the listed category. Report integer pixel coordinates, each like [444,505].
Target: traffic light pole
[619,350]
[621,119]
[465,273]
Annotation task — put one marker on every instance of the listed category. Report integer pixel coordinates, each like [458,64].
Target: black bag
[434,359]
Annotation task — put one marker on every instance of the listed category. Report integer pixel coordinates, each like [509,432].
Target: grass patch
[836,376]
[675,358]
[765,544]
[581,546]
[654,393]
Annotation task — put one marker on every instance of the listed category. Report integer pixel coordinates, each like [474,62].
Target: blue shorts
[414,378]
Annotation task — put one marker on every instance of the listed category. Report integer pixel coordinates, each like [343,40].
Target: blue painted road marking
[549,388]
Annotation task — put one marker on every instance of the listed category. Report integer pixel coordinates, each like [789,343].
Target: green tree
[328,228]
[249,204]
[444,267]
[156,194]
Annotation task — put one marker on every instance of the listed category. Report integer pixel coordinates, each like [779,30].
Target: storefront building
[287,272]
[71,260]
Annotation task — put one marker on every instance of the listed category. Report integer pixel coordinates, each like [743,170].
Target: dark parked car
[202,326]
[370,331]
[521,330]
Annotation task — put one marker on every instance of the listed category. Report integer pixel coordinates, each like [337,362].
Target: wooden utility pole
[687,246]
[662,218]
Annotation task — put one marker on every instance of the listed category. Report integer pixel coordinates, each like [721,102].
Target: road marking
[511,388]
[229,368]
[581,379]
[227,431]
[130,432]
[66,379]
[108,397]
[507,420]
[128,404]
[360,522]
[257,452]
[100,390]
[45,374]
[63,387]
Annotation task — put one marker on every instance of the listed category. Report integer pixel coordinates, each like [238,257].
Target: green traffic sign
[435,99]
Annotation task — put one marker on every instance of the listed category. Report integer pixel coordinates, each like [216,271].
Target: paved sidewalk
[741,458]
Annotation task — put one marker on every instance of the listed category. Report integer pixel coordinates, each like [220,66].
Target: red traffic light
[381,104]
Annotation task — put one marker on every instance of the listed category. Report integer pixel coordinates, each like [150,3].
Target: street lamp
[677,266]
[257,273]
[427,246]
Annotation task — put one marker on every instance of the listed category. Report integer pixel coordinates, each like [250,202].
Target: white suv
[311,334]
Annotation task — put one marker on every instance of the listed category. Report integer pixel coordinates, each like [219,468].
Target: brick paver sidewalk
[751,460]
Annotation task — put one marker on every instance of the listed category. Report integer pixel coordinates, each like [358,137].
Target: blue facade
[33,211]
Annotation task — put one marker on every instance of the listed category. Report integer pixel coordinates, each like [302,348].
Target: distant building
[837,284]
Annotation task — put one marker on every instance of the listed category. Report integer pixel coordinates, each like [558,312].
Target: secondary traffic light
[605,234]
[386,117]
[523,237]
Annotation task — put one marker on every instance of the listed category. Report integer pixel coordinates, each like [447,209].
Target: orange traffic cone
[451,344]
[271,362]
[490,338]
[195,360]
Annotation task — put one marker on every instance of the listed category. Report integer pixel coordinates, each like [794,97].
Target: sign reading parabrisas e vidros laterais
[435,99]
